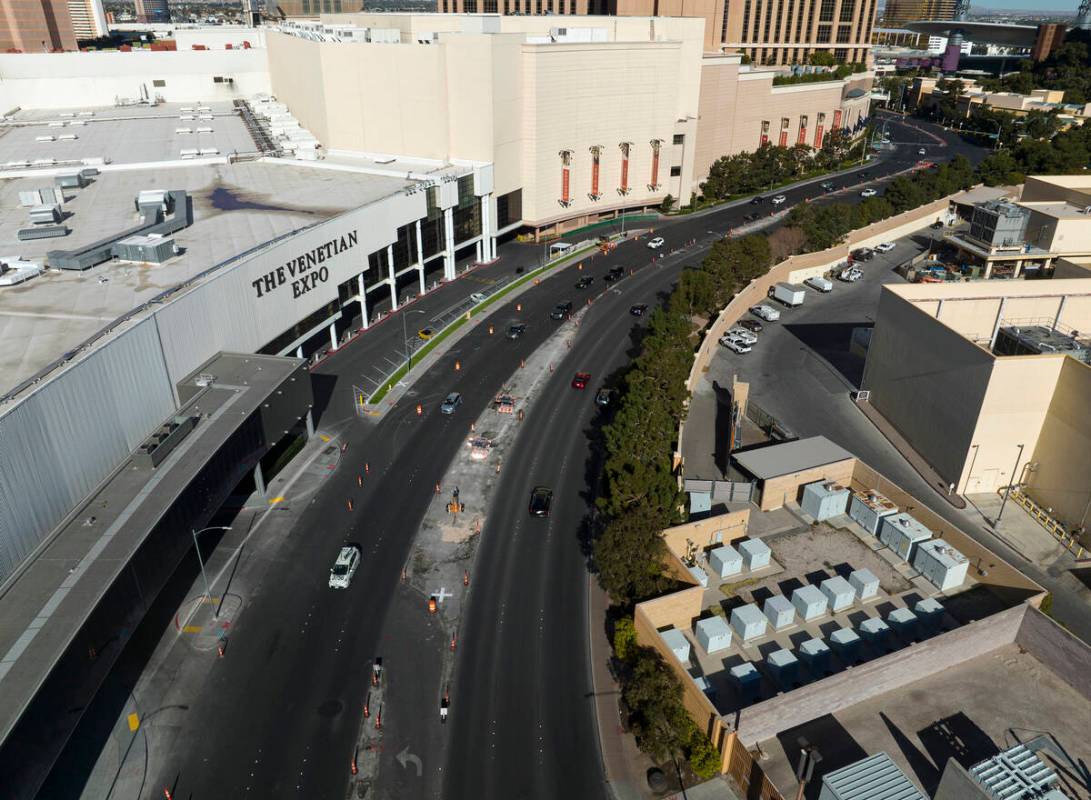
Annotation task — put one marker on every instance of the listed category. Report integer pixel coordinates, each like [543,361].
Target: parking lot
[801,369]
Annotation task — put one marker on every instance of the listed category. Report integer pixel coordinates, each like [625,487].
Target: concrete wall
[888,673]
[1058,649]
[1062,478]
[928,381]
[775,492]
[709,532]
[79,80]
[1075,189]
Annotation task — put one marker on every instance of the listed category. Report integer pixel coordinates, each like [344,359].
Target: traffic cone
[367,705]
[432,605]
[453,642]
[367,468]
[349,504]
[466,578]
[379,719]
[359,480]
[352,765]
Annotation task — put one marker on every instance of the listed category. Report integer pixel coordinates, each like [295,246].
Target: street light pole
[201,561]
[405,338]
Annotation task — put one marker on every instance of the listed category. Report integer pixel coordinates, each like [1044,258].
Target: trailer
[790,294]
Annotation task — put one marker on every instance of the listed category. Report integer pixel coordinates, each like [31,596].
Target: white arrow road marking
[405,757]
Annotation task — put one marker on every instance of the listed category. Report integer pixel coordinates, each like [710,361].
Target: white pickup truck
[820,284]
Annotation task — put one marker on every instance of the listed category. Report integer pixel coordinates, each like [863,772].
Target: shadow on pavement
[836,745]
[833,342]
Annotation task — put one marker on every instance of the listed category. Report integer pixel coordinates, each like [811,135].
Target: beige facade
[985,421]
[36,26]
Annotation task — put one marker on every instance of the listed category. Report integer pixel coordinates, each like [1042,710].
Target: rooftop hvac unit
[205,117]
[67,137]
[77,123]
[186,117]
[43,162]
[183,131]
[187,109]
[152,249]
[71,179]
[87,114]
[45,215]
[45,138]
[46,196]
[204,110]
[56,124]
[66,114]
[206,129]
[42,232]
[210,151]
[189,152]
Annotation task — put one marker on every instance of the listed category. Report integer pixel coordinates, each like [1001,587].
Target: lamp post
[405,338]
[1007,491]
[201,561]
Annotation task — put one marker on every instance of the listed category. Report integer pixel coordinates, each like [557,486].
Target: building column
[363,299]
[996,325]
[449,242]
[479,249]
[420,258]
[299,352]
[390,277]
[1018,268]
[333,335]
[310,424]
[486,228]
[1060,311]
[259,479]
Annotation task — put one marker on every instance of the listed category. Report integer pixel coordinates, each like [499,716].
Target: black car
[515,331]
[757,200]
[604,396]
[751,325]
[561,310]
[750,217]
[936,225]
[827,186]
[863,254]
[639,310]
[540,501]
[616,274]
[585,281]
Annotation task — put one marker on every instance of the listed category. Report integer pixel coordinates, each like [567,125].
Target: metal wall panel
[248,305]
[59,442]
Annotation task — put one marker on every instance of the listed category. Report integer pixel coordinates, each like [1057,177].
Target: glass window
[823,35]
[509,209]
[746,21]
[466,191]
[489,6]
[327,6]
[848,10]
[826,12]
[679,138]
[470,6]
[841,54]
[844,33]
[723,28]
[307,6]
[780,17]
[676,171]
[810,19]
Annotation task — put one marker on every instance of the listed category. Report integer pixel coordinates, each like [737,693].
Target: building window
[810,20]
[489,6]
[841,55]
[823,35]
[780,18]
[307,6]
[507,7]
[679,138]
[509,209]
[745,21]
[538,7]
[676,172]
[848,10]
[723,28]
[470,6]
[826,12]
[768,22]
[159,84]
[327,6]
[844,34]
[337,6]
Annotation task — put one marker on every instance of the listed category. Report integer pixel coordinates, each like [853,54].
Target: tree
[653,695]
[625,643]
[703,757]
[667,204]
[821,58]
[628,557]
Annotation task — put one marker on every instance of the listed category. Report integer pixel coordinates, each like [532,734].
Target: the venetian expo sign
[304,272]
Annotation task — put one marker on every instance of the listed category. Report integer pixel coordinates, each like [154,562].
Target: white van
[820,284]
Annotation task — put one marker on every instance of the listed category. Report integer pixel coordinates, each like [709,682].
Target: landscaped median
[392,380]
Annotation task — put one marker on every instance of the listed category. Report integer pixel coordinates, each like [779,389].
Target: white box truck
[790,294]
[820,284]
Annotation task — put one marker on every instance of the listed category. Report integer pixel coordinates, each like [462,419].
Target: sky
[1026,5]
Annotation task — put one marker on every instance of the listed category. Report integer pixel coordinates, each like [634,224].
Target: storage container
[725,561]
[867,509]
[942,565]
[824,499]
[904,622]
[839,593]
[784,667]
[713,634]
[815,653]
[810,602]
[747,681]
[748,622]
[678,643]
[846,643]
[699,575]
[755,553]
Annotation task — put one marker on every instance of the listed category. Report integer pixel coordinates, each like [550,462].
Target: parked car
[820,284]
[827,186]
[751,217]
[869,192]
[585,281]
[639,310]
[885,247]
[742,334]
[937,225]
[656,243]
[515,331]
[541,498]
[922,152]
[604,396]
[580,380]
[850,275]
[863,254]
[735,345]
[348,559]
[767,313]
[424,334]
[561,310]
[479,297]
[757,200]
[751,325]
[616,274]
[451,403]
[779,199]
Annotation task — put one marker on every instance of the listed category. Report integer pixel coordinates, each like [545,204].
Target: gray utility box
[747,681]
[875,632]
[904,622]
[725,561]
[902,533]
[779,611]
[678,643]
[874,778]
[943,566]
[784,667]
[846,643]
[45,214]
[864,582]
[748,622]
[158,446]
[755,553]
[72,179]
[699,576]
[810,603]
[815,653]
[867,510]
[930,612]
[839,593]
[152,249]
[824,499]
[713,634]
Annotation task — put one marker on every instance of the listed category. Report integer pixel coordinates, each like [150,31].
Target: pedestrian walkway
[902,445]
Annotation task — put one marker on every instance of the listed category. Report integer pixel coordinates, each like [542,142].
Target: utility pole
[1007,491]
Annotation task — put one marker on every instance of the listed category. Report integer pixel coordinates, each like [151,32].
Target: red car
[581,380]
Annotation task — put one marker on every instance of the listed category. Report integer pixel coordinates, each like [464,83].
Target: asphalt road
[280,716]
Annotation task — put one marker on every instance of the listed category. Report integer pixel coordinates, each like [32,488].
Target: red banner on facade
[655,167]
[818,138]
[594,175]
[784,138]
[837,119]
[802,138]
[564,185]
[624,174]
